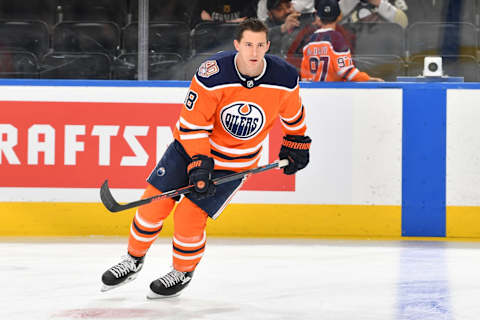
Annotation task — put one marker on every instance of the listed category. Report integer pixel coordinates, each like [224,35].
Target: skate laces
[172,278]
[122,268]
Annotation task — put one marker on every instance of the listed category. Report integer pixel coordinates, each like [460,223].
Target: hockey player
[232,103]
[326,57]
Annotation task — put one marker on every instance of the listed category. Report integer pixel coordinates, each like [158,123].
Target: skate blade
[155,296]
[105,287]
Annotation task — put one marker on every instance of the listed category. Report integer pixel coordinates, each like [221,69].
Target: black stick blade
[113,206]
[107,198]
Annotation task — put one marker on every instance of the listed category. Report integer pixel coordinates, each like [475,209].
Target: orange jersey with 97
[227,115]
[326,57]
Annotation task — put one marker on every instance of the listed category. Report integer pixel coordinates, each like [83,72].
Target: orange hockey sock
[148,222]
[189,237]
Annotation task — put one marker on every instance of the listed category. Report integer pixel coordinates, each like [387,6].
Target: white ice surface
[246,279]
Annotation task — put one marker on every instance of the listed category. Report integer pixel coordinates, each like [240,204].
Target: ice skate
[121,273]
[170,285]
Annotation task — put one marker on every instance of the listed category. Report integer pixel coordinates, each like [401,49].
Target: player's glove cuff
[296,149]
[200,171]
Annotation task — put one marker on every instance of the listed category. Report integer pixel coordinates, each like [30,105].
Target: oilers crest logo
[243,120]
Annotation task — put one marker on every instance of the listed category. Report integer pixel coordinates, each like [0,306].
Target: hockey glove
[200,172]
[296,150]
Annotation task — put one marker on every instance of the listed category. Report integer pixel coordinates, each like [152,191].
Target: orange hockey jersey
[326,57]
[227,115]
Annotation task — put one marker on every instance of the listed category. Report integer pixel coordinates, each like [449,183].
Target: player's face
[251,50]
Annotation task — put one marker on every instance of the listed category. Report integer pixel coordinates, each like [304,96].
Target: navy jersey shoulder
[218,70]
[279,73]
[334,37]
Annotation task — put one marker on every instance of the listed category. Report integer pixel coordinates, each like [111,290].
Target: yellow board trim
[238,220]
[287,220]
[463,222]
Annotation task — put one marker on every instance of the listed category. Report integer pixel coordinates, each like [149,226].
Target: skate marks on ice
[178,308]
[106,313]
[151,312]
[137,308]
[249,279]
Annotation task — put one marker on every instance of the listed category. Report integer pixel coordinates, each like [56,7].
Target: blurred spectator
[223,11]
[374,11]
[326,57]
[285,24]
[302,6]
[282,14]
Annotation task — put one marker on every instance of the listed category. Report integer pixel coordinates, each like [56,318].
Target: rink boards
[387,160]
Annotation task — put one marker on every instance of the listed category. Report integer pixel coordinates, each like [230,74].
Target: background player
[326,56]
[232,103]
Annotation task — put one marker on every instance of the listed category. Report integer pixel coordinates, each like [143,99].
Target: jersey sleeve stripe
[342,71]
[301,125]
[236,150]
[300,111]
[193,136]
[345,75]
[291,123]
[236,164]
[353,74]
[189,125]
[226,157]
[181,129]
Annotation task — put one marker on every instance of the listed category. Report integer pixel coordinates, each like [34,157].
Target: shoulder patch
[208,68]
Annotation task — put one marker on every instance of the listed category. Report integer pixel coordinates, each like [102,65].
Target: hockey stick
[113,206]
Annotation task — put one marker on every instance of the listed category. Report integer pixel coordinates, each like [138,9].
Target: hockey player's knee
[155,211]
[189,221]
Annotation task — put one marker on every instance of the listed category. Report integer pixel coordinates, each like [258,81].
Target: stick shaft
[113,206]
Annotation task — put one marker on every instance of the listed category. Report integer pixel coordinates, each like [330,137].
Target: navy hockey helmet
[327,10]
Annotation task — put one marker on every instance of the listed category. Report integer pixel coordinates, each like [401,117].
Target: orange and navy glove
[200,171]
[296,150]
